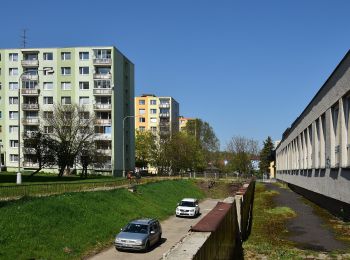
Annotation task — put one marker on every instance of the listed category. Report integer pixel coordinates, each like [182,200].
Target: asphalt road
[173,230]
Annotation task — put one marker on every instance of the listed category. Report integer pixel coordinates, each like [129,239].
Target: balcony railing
[29,150]
[103,106]
[102,61]
[30,106]
[30,77]
[107,152]
[30,91]
[102,91]
[29,134]
[164,105]
[102,76]
[30,63]
[101,136]
[164,115]
[103,121]
[30,121]
[30,164]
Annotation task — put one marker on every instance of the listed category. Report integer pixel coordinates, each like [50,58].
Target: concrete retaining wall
[219,235]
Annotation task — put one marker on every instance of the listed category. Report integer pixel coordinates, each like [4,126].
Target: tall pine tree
[266,155]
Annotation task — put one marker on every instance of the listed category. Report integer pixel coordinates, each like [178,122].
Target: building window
[84,85]
[14,143]
[13,71]
[48,129]
[153,102]
[84,70]
[0,114]
[13,129]
[65,71]
[142,128]
[48,114]
[83,100]
[141,102]
[66,86]
[153,120]
[48,86]
[48,56]
[13,56]
[13,115]
[84,115]
[153,111]
[13,100]
[13,86]
[48,100]
[66,100]
[14,157]
[153,129]
[65,55]
[142,119]
[142,111]
[84,55]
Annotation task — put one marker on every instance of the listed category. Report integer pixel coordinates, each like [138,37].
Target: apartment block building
[183,122]
[100,78]
[159,115]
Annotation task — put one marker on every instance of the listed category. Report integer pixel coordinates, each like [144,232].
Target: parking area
[173,230]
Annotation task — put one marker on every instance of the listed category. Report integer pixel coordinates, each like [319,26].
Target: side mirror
[197,205]
[153,232]
[121,229]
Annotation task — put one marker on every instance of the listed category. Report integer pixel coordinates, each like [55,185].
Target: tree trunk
[35,172]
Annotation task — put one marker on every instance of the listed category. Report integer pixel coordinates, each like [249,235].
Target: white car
[188,207]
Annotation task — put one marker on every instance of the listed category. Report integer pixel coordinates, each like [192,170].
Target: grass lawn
[269,234]
[72,225]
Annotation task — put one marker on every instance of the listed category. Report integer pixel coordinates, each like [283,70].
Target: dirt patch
[218,189]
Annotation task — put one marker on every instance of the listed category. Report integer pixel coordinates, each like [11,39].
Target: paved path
[307,229]
[173,230]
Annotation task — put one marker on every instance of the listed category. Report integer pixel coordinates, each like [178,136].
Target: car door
[153,233]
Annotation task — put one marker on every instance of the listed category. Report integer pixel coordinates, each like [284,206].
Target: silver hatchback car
[139,235]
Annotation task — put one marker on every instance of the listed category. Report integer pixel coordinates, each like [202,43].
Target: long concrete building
[314,154]
[100,78]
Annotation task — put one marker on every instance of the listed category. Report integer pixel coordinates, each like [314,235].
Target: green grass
[72,225]
[268,233]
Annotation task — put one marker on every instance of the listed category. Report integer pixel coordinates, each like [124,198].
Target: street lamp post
[0,158]
[50,71]
[126,117]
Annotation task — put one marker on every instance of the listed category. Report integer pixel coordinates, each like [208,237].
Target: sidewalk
[307,229]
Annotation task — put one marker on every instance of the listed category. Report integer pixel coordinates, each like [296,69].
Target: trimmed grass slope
[71,225]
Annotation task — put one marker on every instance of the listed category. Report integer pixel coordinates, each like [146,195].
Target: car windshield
[187,204]
[136,228]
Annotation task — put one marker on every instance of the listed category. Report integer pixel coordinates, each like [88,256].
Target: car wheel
[160,238]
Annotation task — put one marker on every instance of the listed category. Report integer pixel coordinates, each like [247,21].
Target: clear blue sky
[247,67]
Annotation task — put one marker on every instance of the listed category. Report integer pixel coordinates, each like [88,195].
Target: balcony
[32,77]
[164,115]
[30,63]
[103,167]
[29,150]
[102,106]
[103,76]
[30,91]
[102,61]
[30,164]
[30,106]
[164,105]
[106,152]
[103,121]
[102,91]
[29,134]
[102,136]
[31,121]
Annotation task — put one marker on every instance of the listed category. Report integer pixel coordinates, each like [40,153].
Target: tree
[41,147]
[243,150]
[204,135]
[72,127]
[145,148]
[266,155]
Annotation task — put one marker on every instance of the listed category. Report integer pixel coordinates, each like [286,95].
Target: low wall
[219,235]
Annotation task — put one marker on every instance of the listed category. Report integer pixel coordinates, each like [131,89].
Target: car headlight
[117,240]
[138,242]
[192,210]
